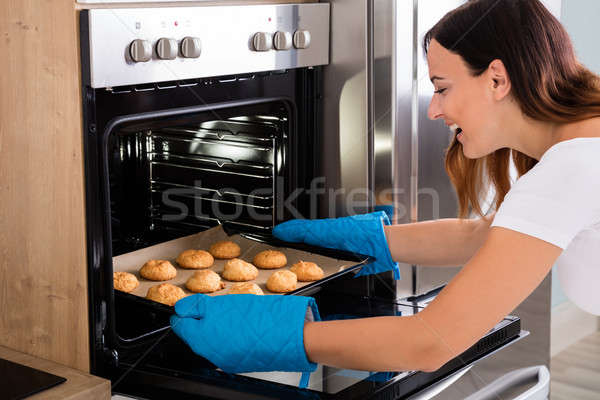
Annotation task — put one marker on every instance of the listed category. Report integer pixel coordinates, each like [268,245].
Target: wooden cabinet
[43,278]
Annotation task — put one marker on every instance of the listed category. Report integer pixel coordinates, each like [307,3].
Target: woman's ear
[499,79]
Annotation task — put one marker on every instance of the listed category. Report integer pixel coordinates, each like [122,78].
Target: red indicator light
[176,23]
[269,19]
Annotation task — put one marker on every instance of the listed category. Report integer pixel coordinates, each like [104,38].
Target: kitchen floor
[575,371]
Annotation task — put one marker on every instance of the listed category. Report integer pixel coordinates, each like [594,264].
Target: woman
[507,82]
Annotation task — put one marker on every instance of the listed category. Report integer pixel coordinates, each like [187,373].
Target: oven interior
[177,176]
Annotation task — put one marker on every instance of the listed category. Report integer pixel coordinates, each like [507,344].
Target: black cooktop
[19,381]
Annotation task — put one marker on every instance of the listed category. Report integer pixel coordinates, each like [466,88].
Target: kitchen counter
[79,385]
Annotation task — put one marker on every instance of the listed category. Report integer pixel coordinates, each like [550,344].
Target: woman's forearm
[443,242]
[376,344]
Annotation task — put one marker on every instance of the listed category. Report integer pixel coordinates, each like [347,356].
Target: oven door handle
[435,389]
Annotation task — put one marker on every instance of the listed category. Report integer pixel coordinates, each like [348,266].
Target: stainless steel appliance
[378,84]
[266,110]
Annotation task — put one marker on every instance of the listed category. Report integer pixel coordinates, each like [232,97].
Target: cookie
[158,270]
[307,271]
[195,259]
[270,259]
[282,281]
[165,293]
[245,288]
[205,281]
[125,281]
[225,249]
[239,271]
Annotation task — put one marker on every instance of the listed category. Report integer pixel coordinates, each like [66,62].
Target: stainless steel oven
[196,117]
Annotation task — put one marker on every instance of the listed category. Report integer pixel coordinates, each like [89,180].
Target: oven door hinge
[111,357]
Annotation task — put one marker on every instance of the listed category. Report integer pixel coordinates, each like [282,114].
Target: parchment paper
[132,262]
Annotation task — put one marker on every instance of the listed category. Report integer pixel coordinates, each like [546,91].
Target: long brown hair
[548,82]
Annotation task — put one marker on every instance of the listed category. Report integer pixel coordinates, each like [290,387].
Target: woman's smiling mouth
[456,130]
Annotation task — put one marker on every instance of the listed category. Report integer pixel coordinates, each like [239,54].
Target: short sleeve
[557,198]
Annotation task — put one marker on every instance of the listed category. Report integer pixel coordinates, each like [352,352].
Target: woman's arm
[373,344]
[503,272]
[442,242]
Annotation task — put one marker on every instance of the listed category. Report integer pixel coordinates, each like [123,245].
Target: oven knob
[140,50]
[166,49]
[262,41]
[301,39]
[191,47]
[282,40]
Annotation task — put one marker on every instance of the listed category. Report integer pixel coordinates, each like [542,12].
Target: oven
[200,118]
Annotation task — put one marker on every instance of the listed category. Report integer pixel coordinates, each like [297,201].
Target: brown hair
[548,82]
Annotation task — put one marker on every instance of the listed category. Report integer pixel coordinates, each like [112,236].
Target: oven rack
[156,190]
[219,163]
[201,223]
[240,213]
[164,145]
[221,193]
[249,126]
[218,170]
[212,134]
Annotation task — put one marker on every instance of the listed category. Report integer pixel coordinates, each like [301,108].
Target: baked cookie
[282,281]
[307,271]
[165,293]
[225,249]
[245,288]
[205,281]
[195,259]
[239,271]
[125,281]
[158,270]
[270,259]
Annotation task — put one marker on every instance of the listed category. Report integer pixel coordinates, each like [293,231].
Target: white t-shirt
[558,201]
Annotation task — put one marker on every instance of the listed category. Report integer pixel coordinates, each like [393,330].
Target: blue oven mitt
[361,234]
[388,209]
[246,332]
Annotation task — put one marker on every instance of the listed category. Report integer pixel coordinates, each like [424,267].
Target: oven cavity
[173,178]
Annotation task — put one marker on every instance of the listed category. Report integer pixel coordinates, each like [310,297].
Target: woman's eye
[439,91]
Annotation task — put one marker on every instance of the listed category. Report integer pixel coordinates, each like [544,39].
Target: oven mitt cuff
[361,234]
[246,332]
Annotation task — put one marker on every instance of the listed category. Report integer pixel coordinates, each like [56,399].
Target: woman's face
[464,101]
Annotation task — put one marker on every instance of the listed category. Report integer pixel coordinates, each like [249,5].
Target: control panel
[145,45]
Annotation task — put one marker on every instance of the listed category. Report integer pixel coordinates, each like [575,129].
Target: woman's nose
[434,112]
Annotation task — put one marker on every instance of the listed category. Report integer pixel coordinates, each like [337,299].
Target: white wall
[581,19]
[569,323]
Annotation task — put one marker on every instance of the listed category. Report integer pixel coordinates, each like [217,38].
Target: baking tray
[333,262]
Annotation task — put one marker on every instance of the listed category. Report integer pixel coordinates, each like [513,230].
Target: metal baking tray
[333,262]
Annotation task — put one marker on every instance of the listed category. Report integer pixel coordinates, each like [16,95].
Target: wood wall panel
[43,278]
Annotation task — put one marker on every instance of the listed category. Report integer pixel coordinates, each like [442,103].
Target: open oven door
[168,368]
